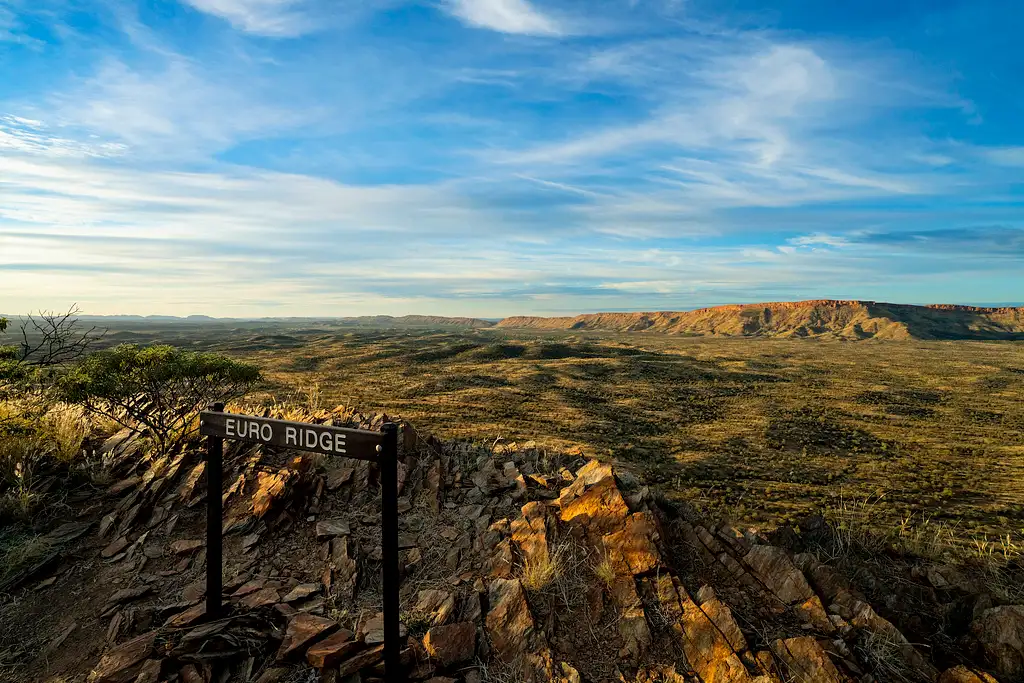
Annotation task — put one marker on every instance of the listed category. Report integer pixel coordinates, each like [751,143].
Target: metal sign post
[380,447]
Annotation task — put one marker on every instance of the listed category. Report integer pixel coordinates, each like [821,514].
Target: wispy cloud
[1005,156]
[171,109]
[272,18]
[504,16]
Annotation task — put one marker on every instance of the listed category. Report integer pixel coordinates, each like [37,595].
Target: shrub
[159,388]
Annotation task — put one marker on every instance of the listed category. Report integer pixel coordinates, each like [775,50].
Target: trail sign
[380,447]
[351,443]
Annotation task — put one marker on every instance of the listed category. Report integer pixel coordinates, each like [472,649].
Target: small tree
[49,338]
[161,388]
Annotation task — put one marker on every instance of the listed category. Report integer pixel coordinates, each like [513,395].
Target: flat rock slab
[128,594]
[332,528]
[302,591]
[188,617]
[360,661]
[248,587]
[261,598]
[334,649]
[185,547]
[123,663]
[114,548]
[303,630]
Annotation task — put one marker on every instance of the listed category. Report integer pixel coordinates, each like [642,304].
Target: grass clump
[604,571]
[542,570]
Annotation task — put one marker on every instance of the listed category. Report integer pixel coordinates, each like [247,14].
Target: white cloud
[820,238]
[272,18]
[504,16]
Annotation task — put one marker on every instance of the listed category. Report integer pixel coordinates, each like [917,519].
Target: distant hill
[824,318]
[417,321]
[366,320]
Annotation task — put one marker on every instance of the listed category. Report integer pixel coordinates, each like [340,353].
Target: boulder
[509,621]
[372,630]
[448,645]
[302,631]
[586,476]
[1000,633]
[813,612]
[339,477]
[499,564]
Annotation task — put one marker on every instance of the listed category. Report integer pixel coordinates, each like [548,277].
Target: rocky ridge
[518,565]
[826,318]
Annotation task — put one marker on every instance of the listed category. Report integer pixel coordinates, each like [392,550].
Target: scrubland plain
[928,435]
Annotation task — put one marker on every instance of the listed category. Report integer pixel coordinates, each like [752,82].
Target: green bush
[159,388]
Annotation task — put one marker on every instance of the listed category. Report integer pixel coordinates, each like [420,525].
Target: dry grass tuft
[63,429]
[604,571]
[542,572]
[883,654]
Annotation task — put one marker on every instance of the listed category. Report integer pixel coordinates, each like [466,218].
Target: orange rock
[449,645]
[813,612]
[777,572]
[269,485]
[188,617]
[603,505]
[961,674]
[530,532]
[632,550]
[509,621]
[636,635]
[707,650]
[806,660]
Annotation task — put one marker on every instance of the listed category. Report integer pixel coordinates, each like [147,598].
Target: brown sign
[351,443]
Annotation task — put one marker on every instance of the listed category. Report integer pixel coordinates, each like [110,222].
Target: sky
[249,158]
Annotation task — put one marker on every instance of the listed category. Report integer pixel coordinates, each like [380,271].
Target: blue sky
[497,157]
